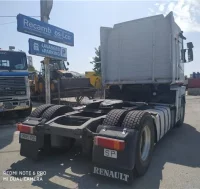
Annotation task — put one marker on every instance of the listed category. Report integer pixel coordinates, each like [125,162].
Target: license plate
[28,137]
[110,153]
[22,104]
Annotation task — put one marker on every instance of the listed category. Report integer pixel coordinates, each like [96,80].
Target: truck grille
[12,86]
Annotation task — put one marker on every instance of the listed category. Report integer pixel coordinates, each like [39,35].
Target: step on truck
[14,84]
[143,64]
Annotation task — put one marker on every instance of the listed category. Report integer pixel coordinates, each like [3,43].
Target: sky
[84,19]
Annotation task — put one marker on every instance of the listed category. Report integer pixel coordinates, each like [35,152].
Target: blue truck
[14,83]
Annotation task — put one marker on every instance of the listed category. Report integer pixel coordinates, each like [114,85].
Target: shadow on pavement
[7,128]
[69,171]
[8,122]
[6,137]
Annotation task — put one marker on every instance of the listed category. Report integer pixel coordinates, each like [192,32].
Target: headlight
[20,92]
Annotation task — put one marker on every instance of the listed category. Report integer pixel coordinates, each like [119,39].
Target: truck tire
[40,110]
[181,121]
[115,117]
[55,111]
[143,122]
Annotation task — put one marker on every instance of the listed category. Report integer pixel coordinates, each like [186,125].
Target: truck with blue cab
[14,84]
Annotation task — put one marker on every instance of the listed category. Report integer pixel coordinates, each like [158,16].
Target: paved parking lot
[176,162]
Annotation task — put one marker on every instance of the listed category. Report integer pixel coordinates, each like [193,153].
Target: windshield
[62,65]
[13,61]
[58,64]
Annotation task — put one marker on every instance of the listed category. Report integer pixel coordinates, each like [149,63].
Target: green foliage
[31,68]
[97,61]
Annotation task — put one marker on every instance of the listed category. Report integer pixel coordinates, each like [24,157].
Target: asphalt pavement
[175,163]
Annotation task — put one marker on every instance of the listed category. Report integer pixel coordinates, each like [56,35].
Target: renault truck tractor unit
[143,64]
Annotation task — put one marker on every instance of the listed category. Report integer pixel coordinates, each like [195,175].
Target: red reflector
[24,128]
[109,143]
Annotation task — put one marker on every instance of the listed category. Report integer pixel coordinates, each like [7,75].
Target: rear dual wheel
[40,110]
[143,122]
[56,110]
[115,117]
[48,112]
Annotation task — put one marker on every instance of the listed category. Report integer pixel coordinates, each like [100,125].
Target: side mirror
[183,51]
[190,55]
[190,51]
[66,65]
[190,45]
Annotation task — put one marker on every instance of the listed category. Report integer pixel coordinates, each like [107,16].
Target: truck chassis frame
[103,126]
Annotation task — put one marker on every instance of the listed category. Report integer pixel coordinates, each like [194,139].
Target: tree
[97,61]
[31,68]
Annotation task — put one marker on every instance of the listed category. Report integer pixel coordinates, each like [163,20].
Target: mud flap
[121,175]
[31,149]
[119,167]
[125,159]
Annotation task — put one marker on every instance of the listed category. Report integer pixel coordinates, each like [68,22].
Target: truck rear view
[142,62]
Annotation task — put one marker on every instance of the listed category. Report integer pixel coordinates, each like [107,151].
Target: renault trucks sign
[41,29]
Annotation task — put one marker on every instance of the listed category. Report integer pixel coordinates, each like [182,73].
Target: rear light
[25,128]
[110,143]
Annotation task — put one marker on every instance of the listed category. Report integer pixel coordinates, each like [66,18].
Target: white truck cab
[146,56]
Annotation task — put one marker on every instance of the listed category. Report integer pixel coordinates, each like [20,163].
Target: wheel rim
[145,143]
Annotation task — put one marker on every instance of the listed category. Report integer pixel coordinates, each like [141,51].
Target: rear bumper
[14,105]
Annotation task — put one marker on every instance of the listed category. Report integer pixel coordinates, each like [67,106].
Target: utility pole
[45,9]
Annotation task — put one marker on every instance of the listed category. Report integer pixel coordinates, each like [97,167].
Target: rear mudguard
[124,162]
[31,149]
[109,172]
